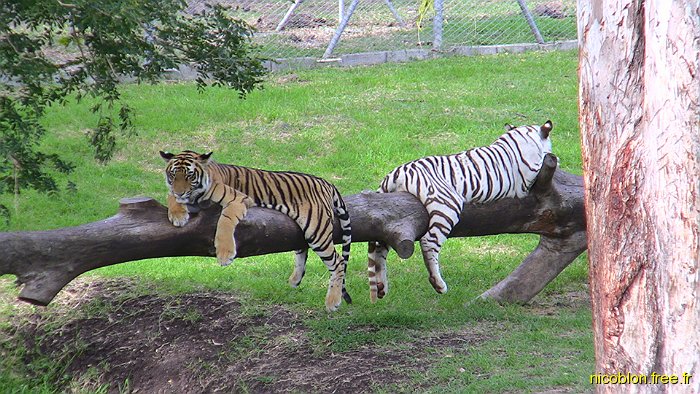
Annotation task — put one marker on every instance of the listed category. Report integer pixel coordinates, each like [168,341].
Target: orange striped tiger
[193,178]
[506,168]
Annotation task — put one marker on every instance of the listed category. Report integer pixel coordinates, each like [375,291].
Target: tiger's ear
[166,155]
[204,158]
[509,127]
[545,129]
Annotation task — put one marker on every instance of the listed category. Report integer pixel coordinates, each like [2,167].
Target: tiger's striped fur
[506,168]
[193,179]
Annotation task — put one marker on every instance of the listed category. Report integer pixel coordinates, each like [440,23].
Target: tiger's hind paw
[438,284]
[295,278]
[333,301]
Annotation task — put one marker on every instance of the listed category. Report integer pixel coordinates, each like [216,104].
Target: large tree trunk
[45,261]
[640,123]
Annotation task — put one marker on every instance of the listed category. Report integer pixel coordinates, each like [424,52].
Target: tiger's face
[531,144]
[538,134]
[186,175]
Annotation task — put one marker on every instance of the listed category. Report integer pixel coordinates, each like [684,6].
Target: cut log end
[42,290]
[404,248]
[138,203]
[34,301]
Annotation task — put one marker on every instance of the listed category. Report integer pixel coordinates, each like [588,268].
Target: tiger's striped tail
[344,218]
[377,253]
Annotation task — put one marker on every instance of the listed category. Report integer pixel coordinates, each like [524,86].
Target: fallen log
[46,261]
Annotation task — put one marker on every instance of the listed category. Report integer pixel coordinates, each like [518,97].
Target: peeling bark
[640,123]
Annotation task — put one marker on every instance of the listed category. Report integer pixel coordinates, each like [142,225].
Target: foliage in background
[52,51]
[424,8]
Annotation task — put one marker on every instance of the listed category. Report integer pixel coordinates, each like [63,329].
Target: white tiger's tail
[377,252]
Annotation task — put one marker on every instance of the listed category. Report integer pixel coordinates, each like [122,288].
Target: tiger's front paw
[178,217]
[225,251]
[225,258]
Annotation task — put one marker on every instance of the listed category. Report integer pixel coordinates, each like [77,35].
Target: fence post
[341,10]
[531,21]
[289,13]
[339,30]
[394,12]
[437,24]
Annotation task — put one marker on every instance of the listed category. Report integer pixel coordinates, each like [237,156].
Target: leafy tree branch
[53,51]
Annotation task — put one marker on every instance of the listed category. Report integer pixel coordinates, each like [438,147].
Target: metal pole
[437,24]
[531,21]
[339,30]
[341,10]
[289,13]
[394,12]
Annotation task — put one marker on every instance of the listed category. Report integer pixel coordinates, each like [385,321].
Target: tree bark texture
[639,103]
[45,261]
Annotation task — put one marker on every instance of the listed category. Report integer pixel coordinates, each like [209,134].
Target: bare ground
[208,342]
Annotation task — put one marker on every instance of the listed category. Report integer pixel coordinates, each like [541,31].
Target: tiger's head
[539,135]
[186,175]
[531,144]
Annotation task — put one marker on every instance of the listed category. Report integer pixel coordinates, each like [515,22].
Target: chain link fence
[330,28]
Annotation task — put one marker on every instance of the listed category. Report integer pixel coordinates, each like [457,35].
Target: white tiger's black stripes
[310,201]
[506,168]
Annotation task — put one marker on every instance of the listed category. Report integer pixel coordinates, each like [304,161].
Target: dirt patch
[207,342]
[553,9]
[297,20]
[552,305]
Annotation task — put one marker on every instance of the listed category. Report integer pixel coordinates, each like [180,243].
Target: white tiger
[506,168]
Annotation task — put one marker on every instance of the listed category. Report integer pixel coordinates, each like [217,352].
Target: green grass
[350,126]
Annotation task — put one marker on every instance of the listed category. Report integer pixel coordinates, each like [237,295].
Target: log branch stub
[543,182]
[45,261]
[548,260]
[398,219]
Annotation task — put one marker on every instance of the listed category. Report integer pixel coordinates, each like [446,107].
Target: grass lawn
[350,126]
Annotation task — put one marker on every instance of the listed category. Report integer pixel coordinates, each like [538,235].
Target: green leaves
[53,51]
[425,7]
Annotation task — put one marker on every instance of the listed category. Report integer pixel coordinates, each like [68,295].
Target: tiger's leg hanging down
[336,265]
[320,240]
[234,206]
[376,270]
[443,216]
[300,257]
